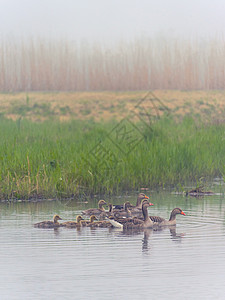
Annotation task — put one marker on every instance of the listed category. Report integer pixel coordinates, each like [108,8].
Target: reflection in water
[62,262]
[148,232]
[56,231]
[145,246]
[175,236]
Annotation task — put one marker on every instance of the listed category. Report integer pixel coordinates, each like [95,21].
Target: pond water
[184,263]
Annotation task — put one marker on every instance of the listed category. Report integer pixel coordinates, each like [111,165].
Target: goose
[125,212]
[95,211]
[158,221]
[108,213]
[134,218]
[140,197]
[87,222]
[135,223]
[49,224]
[100,224]
[72,224]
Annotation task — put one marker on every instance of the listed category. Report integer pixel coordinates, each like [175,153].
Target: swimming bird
[136,219]
[137,210]
[100,224]
[72,224]
[108,213]
[135,223]
[125,212]
[95,211]
[140,197]
[87,222]
[49,224]
[158,221]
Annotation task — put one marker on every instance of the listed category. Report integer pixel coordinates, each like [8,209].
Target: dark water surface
[187,262]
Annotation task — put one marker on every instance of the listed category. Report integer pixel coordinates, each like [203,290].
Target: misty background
[106,20]
[111,45]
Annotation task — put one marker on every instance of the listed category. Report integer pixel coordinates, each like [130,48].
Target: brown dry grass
[103,106]
[38,64]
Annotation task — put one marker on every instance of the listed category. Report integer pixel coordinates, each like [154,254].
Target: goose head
[101,203]
[93,218]
[140,198]
[78,219]
[56,218]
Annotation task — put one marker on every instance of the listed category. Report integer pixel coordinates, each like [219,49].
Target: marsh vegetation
[63,141]
[63,159]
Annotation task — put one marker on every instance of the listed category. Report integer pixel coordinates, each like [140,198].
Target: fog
[112,19]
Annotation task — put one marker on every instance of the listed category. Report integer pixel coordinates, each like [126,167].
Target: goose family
[124,217]
[134,223]
[149,221]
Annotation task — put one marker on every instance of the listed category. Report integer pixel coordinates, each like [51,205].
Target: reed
[141,64]
[54,159]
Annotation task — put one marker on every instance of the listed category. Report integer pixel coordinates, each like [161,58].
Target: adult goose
[136,223]
[140,197]
[49,224]
[158,221]
[95,211]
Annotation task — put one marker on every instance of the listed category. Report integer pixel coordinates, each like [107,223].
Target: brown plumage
[101,224]
[87,222]
[135,223]
[133,220]
[137,210]
[158,221]
[49,224]
[123,213]
[72,224]
[107,214]
[95,211]
[140,197]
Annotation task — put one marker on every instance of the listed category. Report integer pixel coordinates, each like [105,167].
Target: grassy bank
[56,159]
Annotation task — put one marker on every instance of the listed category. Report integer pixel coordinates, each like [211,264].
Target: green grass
[55,159]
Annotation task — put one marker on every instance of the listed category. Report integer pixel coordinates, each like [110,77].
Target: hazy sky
[111,19]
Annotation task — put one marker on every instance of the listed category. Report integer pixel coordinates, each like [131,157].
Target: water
[182,263]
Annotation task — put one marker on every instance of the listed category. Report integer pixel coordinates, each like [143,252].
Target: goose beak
[150,204]
[146,197]
[182,213]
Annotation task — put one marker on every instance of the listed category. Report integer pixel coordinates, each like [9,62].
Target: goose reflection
[56,231]
[145,245]
[176,237]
